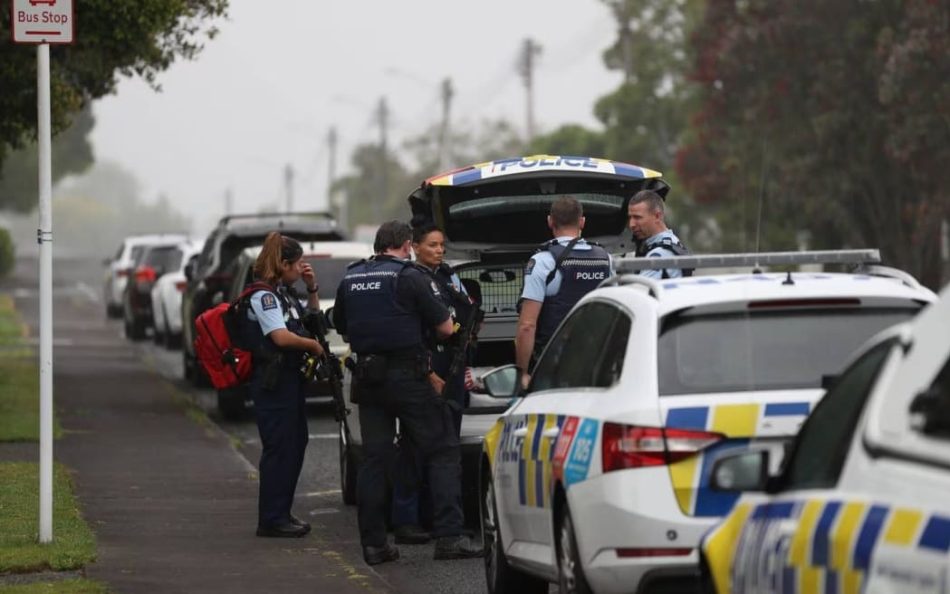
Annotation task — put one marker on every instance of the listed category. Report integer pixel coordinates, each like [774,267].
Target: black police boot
[298,522]
[283,530]
[456,547]
[377,555]
[410,534]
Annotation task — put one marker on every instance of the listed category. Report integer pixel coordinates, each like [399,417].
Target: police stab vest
[376,323]
[263,348]
[581,272]
[675,246]
[454,300]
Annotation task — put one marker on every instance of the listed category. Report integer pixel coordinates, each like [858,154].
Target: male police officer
[556,277]
[646,218]
[382,307]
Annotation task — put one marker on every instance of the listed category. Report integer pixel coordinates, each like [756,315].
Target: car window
[822,445]
[573,358]
[329,273]
[167,258]
[764,350]
[118,252]
[204,259]
[610,365]
[136,255]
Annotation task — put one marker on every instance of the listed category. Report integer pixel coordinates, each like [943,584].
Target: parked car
[120,265]
[860,503]
[494,218]
[153,262]
[329,260]
[166,297]
[212,273]
[598,478]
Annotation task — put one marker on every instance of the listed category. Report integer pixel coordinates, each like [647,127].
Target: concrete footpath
[172,503]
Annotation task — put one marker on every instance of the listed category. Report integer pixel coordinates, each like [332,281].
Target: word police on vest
[365,286]
[591,276]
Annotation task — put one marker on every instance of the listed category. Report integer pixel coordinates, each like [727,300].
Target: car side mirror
[745,471]
[502,382]
[930,412]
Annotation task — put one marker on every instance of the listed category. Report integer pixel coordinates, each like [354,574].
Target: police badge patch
[529,267]
[268,301]
[435,288]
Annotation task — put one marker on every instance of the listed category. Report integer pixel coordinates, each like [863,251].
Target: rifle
[465,337]
[330,369]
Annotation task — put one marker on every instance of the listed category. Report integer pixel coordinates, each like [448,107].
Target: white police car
[599,477]
[861,502]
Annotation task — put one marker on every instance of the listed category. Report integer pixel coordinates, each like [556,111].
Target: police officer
[273,331]
[555,278]
[383,307]
[647,221]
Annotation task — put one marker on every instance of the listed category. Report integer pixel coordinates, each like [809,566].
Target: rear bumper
[635,509]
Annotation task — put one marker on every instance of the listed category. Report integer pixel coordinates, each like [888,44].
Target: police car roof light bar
[857,257]
[272,215]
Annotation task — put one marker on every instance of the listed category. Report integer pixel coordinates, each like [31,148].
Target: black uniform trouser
[282,423]
[427,421]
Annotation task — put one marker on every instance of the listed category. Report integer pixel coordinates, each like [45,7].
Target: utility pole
[341,214]
[382,116]
[228,201]
[526,63]
[447,93]
[289,186]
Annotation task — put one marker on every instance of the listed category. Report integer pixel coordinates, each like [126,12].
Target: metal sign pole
[44,236]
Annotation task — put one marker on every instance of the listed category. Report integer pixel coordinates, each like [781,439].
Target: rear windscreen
[763,350]
[167,259]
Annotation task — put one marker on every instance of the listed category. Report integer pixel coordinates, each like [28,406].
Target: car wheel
[501,577]
[158,337]
[570,572]
[349,468]
[231,402]
[136,329]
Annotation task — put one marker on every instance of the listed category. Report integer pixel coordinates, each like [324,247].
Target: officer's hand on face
[438,384]
[308,275]
[316,349]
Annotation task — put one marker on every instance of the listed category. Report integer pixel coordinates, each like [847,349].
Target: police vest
[454,300]
[262,347]
[675,246]
[376,323]
[581,272]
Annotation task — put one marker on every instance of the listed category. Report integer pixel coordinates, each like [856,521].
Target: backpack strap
[560,258]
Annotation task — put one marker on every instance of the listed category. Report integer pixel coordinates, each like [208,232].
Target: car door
[810,537]
[582,361]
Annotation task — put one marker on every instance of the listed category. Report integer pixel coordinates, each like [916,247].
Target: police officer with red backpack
[273,330]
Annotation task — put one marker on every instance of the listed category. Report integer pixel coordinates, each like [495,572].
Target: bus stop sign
[43,21]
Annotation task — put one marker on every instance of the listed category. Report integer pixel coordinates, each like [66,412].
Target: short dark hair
[653,200]
[566,211]
[419,232]
[391,235]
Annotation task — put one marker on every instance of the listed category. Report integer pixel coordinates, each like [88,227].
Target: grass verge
[19,381]
[60,587]
[74,544]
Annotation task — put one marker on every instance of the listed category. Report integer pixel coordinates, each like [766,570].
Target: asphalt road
[318,493]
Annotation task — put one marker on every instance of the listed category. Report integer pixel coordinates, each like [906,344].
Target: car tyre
[231,402]
[570,572]
[349,468]
[501,577]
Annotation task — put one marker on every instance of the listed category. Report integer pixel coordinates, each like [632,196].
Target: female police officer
[275,334]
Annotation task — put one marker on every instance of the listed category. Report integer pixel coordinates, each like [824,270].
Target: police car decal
[830,546]
[535,163]
[741,423]
[268,301]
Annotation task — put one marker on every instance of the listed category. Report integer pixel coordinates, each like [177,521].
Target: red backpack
[226,364]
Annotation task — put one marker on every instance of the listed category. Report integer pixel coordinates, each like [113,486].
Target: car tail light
[180,285]
[631,446]
[145,274]
[653,552]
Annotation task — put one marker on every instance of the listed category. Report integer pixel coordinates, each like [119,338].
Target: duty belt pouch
[371,370]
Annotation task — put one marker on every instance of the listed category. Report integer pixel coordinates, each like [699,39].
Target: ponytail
[276,250]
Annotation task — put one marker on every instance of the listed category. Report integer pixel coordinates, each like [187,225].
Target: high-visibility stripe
[867,538]
[936,534]
[903,526]
[530,483]
[851,581]
[694,417]
[529,438]
[736,420]
[808,580]
[819,545]
[842,540]
[536,439]
[721,546]
[683,476]
[522,494]
[798,550]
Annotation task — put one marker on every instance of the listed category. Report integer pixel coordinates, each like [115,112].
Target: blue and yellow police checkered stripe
[534,462]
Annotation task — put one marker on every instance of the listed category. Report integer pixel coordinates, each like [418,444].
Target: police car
[861,502]
[598,478]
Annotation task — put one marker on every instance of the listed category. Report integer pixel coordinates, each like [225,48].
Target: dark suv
[210,277]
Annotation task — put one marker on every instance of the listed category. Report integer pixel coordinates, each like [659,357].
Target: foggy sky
[265,91]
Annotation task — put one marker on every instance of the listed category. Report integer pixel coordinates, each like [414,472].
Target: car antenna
[758,218]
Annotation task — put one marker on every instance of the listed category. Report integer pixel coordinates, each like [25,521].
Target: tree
[835,114]
[114,37]
[72,154]
[570,139]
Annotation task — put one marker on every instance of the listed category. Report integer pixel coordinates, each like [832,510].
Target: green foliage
[7,253]
[78,586]
[71,154]
[835,114]
[113,37]
[570,139]
[74,544]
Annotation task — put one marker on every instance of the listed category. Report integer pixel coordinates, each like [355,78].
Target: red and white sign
[43,21]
